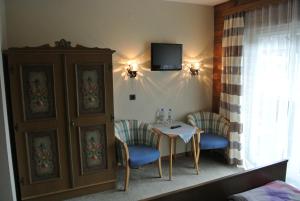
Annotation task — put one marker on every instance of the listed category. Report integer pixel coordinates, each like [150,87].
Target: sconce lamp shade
[196,66]
[195,69]
[133,67]
[132,70]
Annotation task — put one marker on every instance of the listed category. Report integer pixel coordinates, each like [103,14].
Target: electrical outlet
[132,97]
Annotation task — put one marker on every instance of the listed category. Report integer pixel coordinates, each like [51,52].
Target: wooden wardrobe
[62,119]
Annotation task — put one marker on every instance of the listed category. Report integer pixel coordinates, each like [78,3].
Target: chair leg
[199,152]
[159,167]
[127,175]
[192,151]
[198,149]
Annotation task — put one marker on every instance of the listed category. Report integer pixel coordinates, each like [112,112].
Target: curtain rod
[249,6]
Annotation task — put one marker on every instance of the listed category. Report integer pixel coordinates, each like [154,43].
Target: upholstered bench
[213,141]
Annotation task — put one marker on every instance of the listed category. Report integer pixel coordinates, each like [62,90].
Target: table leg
[170,159]
[175,142]
[195,154]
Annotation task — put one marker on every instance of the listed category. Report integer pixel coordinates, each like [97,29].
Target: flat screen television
[166,57]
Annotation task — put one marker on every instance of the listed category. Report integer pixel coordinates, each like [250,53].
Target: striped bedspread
[274,191]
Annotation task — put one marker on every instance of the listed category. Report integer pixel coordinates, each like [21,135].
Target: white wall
[128,26]
[7,185]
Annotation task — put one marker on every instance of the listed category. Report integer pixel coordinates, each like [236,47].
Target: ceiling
[202,2]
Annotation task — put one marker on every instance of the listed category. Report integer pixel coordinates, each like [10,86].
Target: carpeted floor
[144,182]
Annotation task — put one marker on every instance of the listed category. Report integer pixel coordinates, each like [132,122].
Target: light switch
[132,97]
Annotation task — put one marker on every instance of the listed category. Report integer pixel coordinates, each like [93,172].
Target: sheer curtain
[271,87]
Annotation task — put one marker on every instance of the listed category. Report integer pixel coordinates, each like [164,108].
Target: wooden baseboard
[70,193]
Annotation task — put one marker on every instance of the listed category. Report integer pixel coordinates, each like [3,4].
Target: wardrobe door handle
[16,127]
[72,123]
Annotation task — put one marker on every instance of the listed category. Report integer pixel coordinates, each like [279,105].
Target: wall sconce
[194,68]
[132,70]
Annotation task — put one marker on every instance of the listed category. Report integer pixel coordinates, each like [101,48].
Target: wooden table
[195,137]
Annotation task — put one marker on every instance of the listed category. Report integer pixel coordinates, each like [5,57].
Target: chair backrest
[209,122]
[134,132]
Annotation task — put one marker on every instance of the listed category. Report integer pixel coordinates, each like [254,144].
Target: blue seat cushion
[141,155]
[213,141]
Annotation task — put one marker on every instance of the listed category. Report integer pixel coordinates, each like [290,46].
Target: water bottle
[157,117]
[170,119]
[162,115]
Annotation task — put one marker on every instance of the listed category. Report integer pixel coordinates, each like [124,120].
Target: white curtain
[271,87]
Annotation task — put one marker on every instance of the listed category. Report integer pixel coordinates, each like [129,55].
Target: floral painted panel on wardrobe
[38,95]
[93,148]
[43,155]
[90,83]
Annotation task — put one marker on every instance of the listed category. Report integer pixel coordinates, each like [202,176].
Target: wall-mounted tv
[166,57]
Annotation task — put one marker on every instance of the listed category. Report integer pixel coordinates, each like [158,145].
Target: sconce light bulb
[194,68]
[134,67]
[197,66]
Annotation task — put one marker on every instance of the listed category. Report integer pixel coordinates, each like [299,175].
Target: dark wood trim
[220,189]
[80,149]
[68,127]
[220,11]
[10,124]
[63,46]
[74,192]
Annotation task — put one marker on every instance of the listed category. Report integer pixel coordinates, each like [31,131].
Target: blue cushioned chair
[215,127]
[137,145]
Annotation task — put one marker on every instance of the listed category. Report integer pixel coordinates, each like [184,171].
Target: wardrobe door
[38,116]
[90,90]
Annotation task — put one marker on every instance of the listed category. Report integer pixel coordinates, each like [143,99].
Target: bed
[273,191]
[227,187]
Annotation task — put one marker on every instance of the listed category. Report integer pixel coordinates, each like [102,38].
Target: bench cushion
[141,155]
[213,141]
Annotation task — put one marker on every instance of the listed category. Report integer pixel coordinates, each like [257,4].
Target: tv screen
[166,57]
